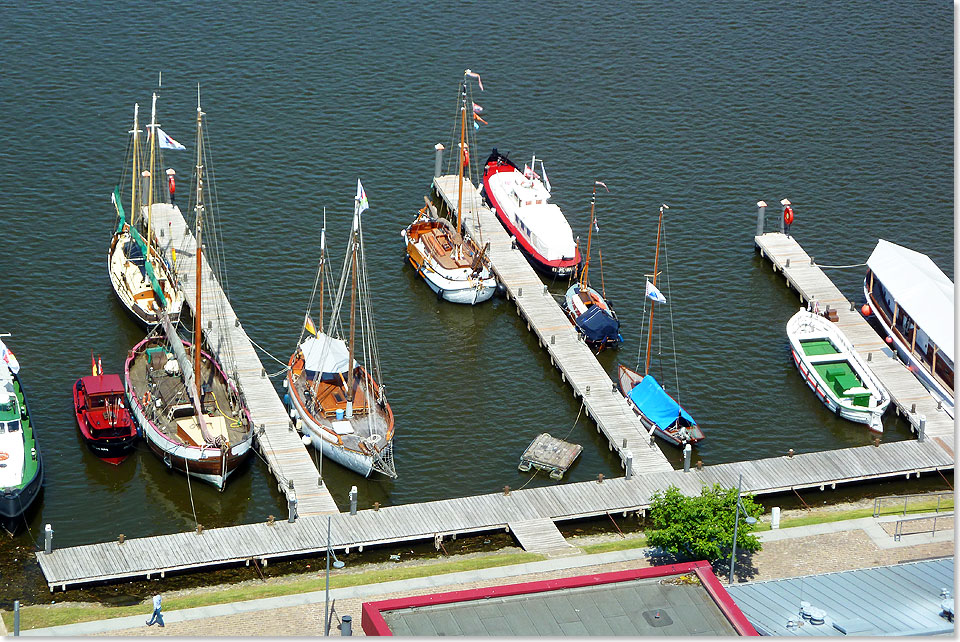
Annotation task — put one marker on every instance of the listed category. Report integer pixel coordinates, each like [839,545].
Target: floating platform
[550,454]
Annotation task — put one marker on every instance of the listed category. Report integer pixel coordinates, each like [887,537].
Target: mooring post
[687,452]
[439,159]
[761,214]
[629,463]
[346,625]
[921,433]
[291,509]
[353,500]
[16,617]
[47,539]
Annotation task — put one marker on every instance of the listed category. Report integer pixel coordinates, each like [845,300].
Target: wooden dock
[432,521]
[908,395]
[578,366]
[274,435]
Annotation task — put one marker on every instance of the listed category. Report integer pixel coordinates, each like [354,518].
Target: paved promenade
[789,552]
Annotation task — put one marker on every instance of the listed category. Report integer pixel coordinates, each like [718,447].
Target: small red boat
[103,417]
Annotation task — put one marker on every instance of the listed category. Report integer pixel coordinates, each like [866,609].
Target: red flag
[93,364]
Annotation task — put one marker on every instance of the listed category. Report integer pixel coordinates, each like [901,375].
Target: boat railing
[925,498]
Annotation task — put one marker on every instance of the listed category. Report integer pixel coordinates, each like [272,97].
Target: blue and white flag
[166,141]
[6,355]
[654,294]
[361,198]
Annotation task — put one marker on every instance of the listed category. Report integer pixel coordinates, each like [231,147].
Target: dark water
[845,108]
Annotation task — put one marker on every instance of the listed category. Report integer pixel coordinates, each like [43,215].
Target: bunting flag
[93,364]
[654,294]
[477,117]
[602,184]
[476,126]
[474,75]
[596,226]
[528,172]
[546,181]
[7,356]
[99,365]
[361,198]
[308,324]
[477,109]
[166,141]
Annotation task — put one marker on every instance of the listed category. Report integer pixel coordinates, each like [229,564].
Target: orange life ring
[788,215]
[4,456]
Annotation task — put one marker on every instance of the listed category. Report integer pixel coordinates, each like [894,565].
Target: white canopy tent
[325,355]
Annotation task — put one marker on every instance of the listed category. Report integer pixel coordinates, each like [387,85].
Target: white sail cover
[325,355]
[919,287]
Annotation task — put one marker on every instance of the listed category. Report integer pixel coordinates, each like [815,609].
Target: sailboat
[21,467]
[140,276]
[658,411]
[591,313]
[450,262]
[188,408]
[335,400]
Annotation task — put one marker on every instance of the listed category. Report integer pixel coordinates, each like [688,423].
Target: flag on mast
[654,294]
[361,198]
[475,75]
[93,364]
[166,141]
[308,324]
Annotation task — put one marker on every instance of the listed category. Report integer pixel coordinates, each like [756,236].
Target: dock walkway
[910,397]
[578,366]
[287,458]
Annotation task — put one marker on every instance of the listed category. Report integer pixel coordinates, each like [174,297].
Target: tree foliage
[701,527]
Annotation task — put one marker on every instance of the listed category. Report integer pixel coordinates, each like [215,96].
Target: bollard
[438,161]
[291,509]
[353,500]
[629,465]
[346,625]
[788,263]
[624,441]
[852,306]
[687,452]
[921,433]
[811,261]
[587,392]
[790,453]
[775,518]
[553,339]
[913,407]
[16,617]
[519,291]
[47,539]
[761,214]
[869,356]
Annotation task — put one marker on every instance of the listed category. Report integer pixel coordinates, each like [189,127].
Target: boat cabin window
[183,410]
[98,401]
[9,426]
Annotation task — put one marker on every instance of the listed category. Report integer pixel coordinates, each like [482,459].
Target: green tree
[702,527]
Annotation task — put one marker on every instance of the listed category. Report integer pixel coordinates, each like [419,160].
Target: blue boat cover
[657,405]
[598,325]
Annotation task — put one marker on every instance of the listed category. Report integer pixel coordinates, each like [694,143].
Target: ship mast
[323,238]
[353,304]
[463,128]
[153,146]
[134,175]
[656,261]
[586,264]
[198,233]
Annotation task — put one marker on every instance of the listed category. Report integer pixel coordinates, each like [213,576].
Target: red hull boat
[103,417]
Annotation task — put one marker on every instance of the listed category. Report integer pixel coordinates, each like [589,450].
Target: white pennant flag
[654,294]
[361,198]
[166,141]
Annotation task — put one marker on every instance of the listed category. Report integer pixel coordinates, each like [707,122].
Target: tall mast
[134,174]
[353,304]
[586,264]
[198,233]
[323,238]
[463,127]
[656,262]
[153,146]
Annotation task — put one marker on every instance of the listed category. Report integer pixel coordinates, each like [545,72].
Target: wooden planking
[812,283]
[541,536]
[574,359]
[286,456]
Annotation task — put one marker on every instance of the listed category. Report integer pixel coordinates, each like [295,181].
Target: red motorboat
[103,417]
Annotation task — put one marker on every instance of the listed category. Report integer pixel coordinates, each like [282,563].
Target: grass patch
[615,545]
[45,615]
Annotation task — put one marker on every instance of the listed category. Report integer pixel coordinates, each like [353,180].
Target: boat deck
[576,361]
[911,399]
[286,456]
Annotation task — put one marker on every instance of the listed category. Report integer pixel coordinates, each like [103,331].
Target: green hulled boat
[21,468]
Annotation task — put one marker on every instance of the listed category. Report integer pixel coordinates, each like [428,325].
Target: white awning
[325,354]
[920,288]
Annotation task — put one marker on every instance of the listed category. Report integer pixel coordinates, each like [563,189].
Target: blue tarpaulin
[657,405]
[598,325]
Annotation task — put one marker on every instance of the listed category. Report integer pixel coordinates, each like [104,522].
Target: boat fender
[788,215]
[4,456]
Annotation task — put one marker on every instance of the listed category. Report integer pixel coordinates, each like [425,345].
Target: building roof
[903,599]
[677,599]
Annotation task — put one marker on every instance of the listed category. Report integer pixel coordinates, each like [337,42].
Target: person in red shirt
[172,185]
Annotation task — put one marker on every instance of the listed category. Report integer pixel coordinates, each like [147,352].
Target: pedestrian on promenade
[157,615]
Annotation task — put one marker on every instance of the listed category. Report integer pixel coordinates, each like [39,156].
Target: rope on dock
[841,267]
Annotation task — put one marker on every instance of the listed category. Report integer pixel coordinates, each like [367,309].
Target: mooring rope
[840,267]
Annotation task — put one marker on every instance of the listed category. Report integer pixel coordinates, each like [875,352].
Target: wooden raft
[550,454]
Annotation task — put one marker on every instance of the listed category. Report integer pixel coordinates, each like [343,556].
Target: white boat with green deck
[832,368]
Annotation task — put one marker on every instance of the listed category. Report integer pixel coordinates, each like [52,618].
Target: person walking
[172,185]
[157,615]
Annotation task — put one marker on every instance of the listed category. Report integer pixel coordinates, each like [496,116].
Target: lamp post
[336,564]
[736,523]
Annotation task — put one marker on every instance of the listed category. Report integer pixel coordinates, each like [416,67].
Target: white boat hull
[455,286]
[319,439]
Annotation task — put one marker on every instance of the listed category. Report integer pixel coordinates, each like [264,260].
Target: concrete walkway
[787,552]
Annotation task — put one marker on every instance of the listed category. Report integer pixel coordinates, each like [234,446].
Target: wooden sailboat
[590,312]
[21,466]
[189,410]
[140,277]
[340,404]
[449,261]
[658,411]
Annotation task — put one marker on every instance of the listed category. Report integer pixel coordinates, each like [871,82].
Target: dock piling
[353,500]
[47,539]
[16,618]
[438,160]
[629,464]
[687,452]
[291,509]
[761,215]
[921,432]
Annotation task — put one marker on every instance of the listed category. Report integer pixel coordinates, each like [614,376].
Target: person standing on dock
[157,615]
[172,185]
[787,216]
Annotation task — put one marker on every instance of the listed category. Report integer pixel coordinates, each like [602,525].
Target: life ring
[4,456]
[788,215]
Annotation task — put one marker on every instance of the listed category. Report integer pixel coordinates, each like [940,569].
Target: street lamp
[736,523]
[336,564]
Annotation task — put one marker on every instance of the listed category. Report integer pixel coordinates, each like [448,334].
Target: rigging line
[186,463]
[673,333]
[262,349]
[840,267]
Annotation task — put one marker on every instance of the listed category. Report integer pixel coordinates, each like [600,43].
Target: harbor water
[844,108]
